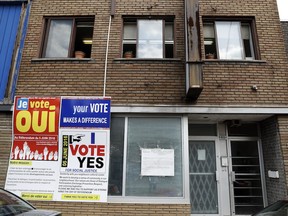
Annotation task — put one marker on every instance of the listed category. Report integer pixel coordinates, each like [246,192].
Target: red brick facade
[151,82]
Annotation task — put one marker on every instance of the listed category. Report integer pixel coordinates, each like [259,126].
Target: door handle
[233,178]
[217,176]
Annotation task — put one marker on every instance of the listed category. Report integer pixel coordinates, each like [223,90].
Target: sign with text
[157,162]
[35,129]
[85,113]
[60,145]
[84,159]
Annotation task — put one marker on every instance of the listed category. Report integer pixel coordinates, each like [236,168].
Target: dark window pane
[209,41]
[202,130]
[242,129]
[129,48]
[169,50]
[83,40]
[116,156]
[247,48]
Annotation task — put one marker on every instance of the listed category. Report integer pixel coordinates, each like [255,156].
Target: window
[148,38]
[149,134]
[65,36]
[229,40]
[202,129]
[242,129]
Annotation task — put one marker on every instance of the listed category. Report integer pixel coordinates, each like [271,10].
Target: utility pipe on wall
[112,12]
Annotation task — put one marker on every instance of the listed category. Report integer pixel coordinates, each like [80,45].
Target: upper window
[148,38]
[65,37]
[228,40]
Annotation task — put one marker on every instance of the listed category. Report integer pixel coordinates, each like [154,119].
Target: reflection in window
[65,36]
[144,133]
[163,133]
[228,40]
[145,38]
[150,39]
[59,38]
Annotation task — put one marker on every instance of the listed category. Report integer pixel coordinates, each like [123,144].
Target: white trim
[269,110]
[185,160]
[148,200]
[200,109]
[125,157]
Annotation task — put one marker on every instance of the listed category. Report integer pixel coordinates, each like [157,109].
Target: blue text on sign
[22,104]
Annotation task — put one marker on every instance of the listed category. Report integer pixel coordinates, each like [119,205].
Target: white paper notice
[157,162]
[201,154]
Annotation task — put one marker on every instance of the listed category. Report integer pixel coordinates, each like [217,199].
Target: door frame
[216,141]
[262,170]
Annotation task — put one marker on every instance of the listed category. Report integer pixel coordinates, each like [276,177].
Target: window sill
[233,61]
[6,107]
[82,60]
[148,200]
[146,60]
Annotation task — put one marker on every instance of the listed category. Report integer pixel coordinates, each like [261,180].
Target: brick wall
[153,81]
[284,25]
[158,81]
[230,82]
[87,209]
[273,159]
[5,143]
[283,129]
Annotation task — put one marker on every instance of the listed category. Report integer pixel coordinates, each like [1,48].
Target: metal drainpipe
[106,57]
[112,12]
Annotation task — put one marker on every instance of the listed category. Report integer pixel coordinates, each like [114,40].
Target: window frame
[242,20]
[46,30]
[184,199]
[135,19]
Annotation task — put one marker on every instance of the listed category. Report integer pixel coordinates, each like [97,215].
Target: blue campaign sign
[85,112]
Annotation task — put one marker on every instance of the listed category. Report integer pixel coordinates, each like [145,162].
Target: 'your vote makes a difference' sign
[85,113]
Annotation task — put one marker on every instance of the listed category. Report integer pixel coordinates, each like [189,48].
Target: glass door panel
[202,170]
[246,177]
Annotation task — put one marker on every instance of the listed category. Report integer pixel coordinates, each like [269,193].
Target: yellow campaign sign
[20,163]
[80,197]
[37,196]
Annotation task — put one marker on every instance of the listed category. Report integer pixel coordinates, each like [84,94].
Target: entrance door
[203,182]
[245,177]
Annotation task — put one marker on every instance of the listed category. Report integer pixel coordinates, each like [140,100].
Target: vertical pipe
[106,57]
[112,13]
